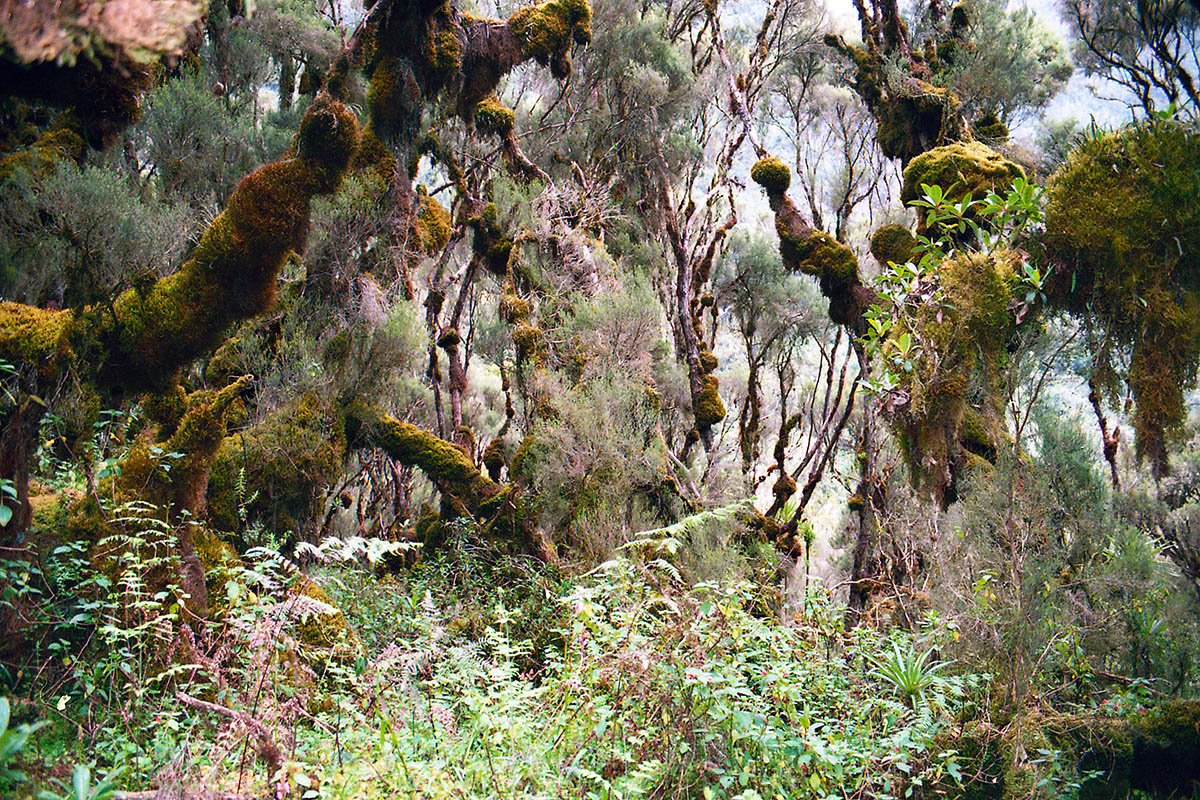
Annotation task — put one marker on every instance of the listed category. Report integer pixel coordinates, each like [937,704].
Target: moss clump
[514,308]
[708,362]
[449,338]
[527,338]
[434,220]
[444,53]
[1123,229]
[327,139]
[375,157]
[44,155]
[30,335]
[783,488]
[493,457]
[892,243]
[491,245]
[709,408]
[545,32]
[493,117]
[771,174]
[989,128]
[290,458]
[450,469]
[166,407]
[321,627]
[960,169]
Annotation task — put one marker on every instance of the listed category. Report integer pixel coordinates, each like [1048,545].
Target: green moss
[449,338]
[493,457]
[44,155]
[960,17]
[892,243]
[493,117]
[989,128]
[771,174]
[227,363]
[434,222]
[327,139]
[709,408]
[1123,227]
[393,96]
[915,115]
[464,488]
[960,168]
[287,461]
[708,361]
[491,245]
[221,566]
[961,354]
[149,332]
[321,627]
[833,263]
[30,335]
[514,308]
[545,32]
[374,156]
[527,338]
[166,407]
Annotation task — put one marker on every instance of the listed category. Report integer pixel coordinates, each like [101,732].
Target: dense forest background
[452,399]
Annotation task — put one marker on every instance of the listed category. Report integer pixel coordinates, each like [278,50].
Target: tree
[1008,65]
[1148,48]
[140,340]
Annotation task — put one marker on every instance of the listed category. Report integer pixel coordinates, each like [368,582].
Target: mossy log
[1158,753]
[141,340]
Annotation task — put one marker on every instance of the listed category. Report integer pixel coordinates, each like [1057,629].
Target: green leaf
[81,780]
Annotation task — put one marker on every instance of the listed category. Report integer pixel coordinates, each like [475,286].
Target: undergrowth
[486,676]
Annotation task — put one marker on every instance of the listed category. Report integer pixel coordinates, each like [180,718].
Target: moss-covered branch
[811,251]
[140,340]
[468,490]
